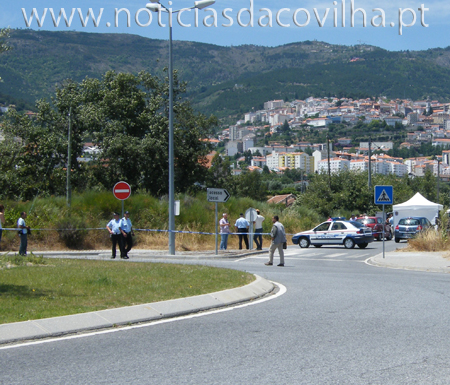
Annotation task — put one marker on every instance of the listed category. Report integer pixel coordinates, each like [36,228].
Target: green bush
[72,232]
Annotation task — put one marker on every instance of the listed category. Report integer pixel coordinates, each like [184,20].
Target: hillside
[222,80]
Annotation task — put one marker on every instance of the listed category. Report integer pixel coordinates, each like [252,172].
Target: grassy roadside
[34,288]
[83,226]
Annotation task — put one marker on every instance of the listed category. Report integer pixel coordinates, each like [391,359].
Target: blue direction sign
[384,195]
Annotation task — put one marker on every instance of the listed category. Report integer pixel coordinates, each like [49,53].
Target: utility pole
[69,158]
[328,161]
[370,163]
[438,180]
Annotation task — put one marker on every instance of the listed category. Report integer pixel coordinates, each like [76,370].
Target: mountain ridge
[226,81]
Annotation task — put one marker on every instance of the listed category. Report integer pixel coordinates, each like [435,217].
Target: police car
[347,233]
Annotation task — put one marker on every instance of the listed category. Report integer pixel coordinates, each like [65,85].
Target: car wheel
[304,243]
[362,245]
[317,246]
[388,236]
[349,243]
[397,240]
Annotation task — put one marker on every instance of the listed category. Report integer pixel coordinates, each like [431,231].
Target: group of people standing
[121,232]
[241,225]
[277,234]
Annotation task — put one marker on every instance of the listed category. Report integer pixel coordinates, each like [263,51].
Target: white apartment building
[336,165]
[446,157]
[258,161]
[318,122]
[379,167]
[233,147]
[304,162]
[250,117]
[359,164]
[396,168]
[233,132]
[280,118]
[273,104]
[383,167]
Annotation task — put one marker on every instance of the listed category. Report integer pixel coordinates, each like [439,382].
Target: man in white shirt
[258,230]
[224,231]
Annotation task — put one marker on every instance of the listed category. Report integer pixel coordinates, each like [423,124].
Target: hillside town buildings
[427,121]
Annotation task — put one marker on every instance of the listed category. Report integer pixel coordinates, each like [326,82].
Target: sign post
[122,191]
[217,195]
[384,195]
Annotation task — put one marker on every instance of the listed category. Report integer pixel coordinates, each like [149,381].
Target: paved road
[340,321]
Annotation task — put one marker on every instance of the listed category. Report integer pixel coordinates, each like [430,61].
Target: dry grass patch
[429,240]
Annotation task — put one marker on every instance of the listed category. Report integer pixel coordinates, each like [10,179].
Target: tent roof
[417,202]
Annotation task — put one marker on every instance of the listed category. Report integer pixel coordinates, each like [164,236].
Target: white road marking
[282,290]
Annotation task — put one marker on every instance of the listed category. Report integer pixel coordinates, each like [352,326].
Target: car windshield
[409,222]
[357,224]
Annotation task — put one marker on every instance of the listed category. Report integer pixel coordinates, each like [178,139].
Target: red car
[376,224]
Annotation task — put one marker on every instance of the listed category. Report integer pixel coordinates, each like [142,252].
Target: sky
[395,26]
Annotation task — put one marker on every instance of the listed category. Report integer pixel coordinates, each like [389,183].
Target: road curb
[76,323]
[378,261]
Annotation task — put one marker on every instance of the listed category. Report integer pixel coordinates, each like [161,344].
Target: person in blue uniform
[113,227]
[242,226]
[127,233]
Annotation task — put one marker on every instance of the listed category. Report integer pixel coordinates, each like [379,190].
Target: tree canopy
[126,116]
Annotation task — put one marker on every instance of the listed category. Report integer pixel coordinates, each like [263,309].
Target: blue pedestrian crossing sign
[384,195]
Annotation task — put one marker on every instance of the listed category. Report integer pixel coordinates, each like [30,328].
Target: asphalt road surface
[340,321]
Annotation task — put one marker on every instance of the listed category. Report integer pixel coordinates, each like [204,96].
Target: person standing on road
[127,234]
[258,230]
[224,231]
[242,226]
[2,219]
[23,233]
[278,236]
[113,227]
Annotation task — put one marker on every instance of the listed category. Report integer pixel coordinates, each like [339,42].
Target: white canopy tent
[417,206]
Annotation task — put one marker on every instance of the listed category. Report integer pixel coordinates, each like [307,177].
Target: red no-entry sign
[122,190]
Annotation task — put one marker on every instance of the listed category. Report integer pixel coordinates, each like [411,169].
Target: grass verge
[38,288]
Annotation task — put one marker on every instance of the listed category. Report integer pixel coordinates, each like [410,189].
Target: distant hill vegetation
[226,81]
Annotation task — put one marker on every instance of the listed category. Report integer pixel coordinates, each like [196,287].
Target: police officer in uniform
[113,227]
[127,233]
[242,226]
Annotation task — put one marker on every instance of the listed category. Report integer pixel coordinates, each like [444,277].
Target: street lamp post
[156,6]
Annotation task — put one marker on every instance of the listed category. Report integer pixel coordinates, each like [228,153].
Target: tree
[4,34]
[248,157]
[285,127]
[219,174]
[127,117]
[249,185]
